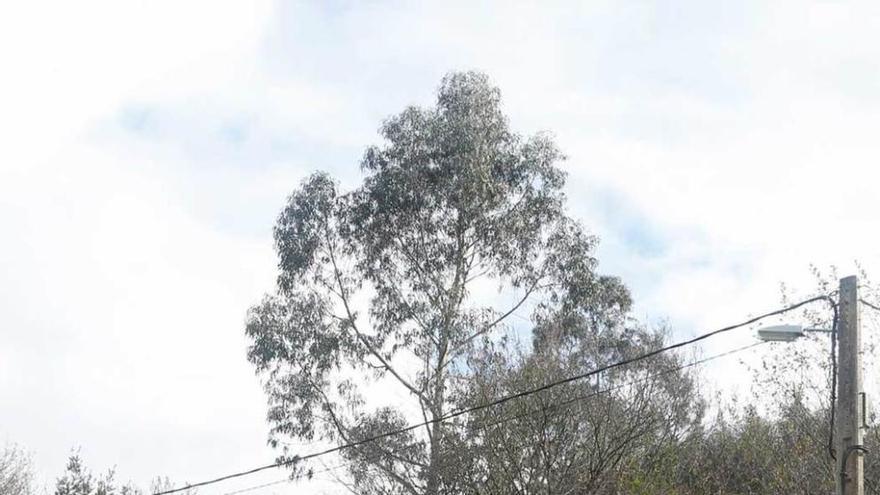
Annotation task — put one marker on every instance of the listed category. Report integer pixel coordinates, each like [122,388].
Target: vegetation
[79,480]
[384,280]
[414,281]
[16,472]
[453,276]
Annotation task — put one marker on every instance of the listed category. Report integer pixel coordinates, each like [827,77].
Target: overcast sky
[146,148]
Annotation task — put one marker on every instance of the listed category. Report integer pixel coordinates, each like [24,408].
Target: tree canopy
[387,283]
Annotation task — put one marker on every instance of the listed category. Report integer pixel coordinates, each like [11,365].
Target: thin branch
[344,433]
[459,347]
[344,297]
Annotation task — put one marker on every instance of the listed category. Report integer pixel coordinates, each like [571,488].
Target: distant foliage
[585,436]
[16,472]
[78,479]
[777,441]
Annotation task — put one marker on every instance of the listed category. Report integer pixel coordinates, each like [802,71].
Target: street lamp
[850,423]
[785,333]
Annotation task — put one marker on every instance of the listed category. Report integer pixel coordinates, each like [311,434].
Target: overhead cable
[554,408]
[508,398]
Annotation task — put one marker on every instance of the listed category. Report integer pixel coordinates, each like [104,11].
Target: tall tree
[383,283]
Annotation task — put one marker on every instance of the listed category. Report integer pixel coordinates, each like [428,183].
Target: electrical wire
[264,485]
[510,397]
[872,306]
[554,408]
[568,402]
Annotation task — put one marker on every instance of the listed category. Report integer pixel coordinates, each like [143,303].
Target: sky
[716,148]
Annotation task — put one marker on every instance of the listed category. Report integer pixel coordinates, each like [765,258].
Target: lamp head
[781,333]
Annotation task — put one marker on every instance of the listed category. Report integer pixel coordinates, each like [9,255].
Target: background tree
[78,479]
[605,435]
[163,483]
[16,471]
[779,443]
[389,281]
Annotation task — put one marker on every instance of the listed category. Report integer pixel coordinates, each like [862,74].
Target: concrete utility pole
[850,399]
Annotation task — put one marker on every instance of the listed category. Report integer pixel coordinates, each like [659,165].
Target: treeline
[640,431]
[653,439]
[17,477]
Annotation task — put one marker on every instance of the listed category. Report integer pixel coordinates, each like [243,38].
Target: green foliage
[583,436]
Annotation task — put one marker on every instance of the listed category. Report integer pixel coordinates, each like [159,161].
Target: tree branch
[460,346]
[344,297]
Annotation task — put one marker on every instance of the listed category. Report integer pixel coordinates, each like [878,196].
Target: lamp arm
[818,330]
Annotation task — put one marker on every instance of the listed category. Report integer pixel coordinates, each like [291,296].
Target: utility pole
[849,386]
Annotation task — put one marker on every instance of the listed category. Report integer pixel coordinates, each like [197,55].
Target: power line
[264,485]
[648,378]
[507,398]
[555,407]
[872,306]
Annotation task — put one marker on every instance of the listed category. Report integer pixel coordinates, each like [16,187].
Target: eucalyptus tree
[382,290]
